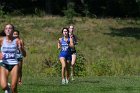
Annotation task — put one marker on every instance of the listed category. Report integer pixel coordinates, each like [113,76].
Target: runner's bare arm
[71,43]
[59,43]
[21,47]
[1,40]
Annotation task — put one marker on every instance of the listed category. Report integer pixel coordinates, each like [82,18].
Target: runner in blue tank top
[9,64]
[65,49]
[64,44]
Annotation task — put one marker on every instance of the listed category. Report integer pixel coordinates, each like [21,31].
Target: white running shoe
[8,89]
[72,78]
[9,85]
[67,81]
[63,81]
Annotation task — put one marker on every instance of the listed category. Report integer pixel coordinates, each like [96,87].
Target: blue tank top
[9,52]
[65,45]
[19,54]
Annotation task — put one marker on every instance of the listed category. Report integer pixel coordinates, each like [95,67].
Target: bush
[80,66]
[1,11]
[102,67]
[70,13]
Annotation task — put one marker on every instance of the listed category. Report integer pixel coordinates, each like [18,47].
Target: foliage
[102,67]
[99,8]
[1,11]
[105,46]
[70,13]
[80,66]
[39,12]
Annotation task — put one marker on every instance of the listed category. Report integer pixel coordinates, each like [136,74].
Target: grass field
[81,85]
[107,47]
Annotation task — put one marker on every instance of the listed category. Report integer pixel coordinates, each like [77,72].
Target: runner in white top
[9,64]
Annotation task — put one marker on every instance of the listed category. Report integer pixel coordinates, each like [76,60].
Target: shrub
[1,11]
[102,67]
[70,13]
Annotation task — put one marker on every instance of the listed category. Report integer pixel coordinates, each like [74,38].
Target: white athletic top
[9,52]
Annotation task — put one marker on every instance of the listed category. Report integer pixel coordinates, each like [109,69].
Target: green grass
[107,47]
[80,85]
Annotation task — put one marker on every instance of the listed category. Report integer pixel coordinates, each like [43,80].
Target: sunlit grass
[110,42]
[80,85]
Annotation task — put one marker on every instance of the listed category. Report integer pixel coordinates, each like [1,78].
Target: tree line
[103,8]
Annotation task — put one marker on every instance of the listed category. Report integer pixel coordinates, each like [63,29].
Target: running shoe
[63,81]
[8,89]
[67,81]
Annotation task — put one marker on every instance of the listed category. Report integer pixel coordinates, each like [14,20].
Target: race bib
[8,55]
[65,48]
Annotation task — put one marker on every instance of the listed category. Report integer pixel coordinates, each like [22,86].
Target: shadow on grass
[85,81]
[130,89]
[41,85]
[46,85]
[125,32]
[91,81]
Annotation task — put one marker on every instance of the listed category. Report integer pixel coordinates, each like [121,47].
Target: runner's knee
[3,86]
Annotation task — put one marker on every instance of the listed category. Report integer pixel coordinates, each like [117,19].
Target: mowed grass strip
[81,85]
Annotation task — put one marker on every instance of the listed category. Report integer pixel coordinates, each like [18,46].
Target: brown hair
[11,25]
[66,29]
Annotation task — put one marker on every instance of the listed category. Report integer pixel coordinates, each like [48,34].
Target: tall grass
[106,46]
